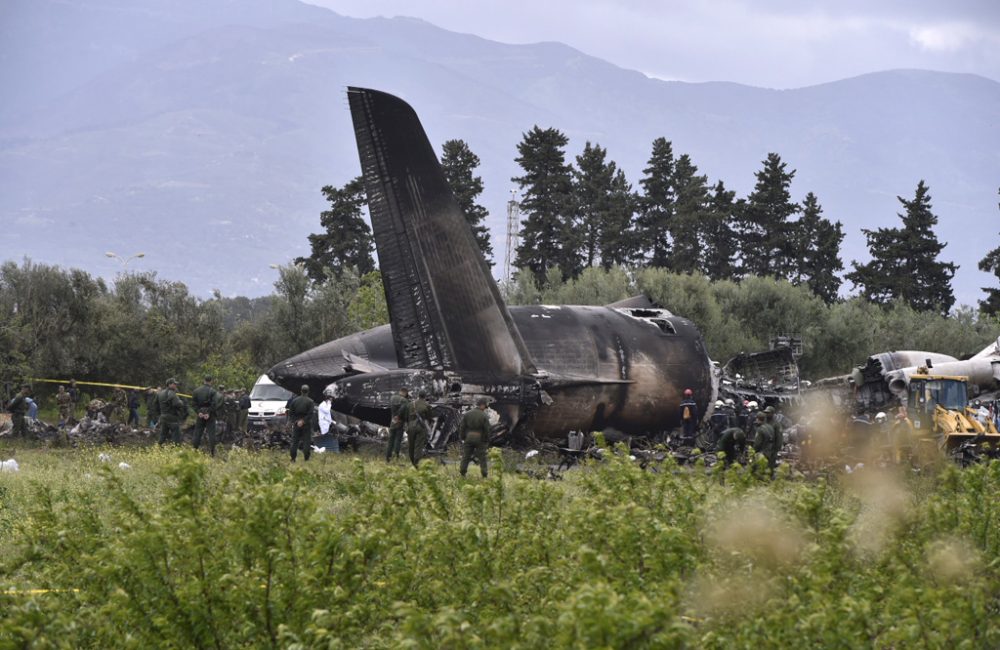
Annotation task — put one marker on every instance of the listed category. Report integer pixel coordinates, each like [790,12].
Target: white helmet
[730,402]
[752,406]
[880,417]
[718,403]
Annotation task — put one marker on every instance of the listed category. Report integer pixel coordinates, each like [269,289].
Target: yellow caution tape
[94,383]
[34,592]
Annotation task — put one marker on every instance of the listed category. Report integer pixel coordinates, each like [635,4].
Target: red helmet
[687,392]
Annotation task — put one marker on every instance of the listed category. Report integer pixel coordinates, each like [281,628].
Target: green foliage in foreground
[178,551]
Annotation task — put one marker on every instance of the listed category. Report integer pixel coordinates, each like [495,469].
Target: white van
[267,404]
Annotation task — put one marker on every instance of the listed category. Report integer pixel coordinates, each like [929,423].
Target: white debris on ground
[123,465]
[104,458]
[318,450]
[531,454]
[9,465]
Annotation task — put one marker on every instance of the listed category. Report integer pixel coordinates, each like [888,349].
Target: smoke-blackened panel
[444,306]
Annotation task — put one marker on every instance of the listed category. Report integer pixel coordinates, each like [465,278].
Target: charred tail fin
[444,306]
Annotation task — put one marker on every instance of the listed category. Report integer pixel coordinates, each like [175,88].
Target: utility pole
[513,229]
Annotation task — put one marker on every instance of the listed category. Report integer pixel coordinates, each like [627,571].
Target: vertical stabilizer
[444,306]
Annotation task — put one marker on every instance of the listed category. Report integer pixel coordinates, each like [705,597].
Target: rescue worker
[719,421]
[418,416]
[18,407]
[170,413]
[730,409]
[902,434]
[206,401]
[32,409]
[763,441]
[733,442]
[65,404]
[397,407]
[689,417]
[982,412]
[742,414]
[300,412]
[474,432]
[882,424]
[133,409]
[751,425]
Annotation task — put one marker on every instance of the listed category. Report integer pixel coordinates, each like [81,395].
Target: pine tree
[592,180]
[618,241]
[690,212]
[905,261]
[991,264]
[817,243]
[768,248]
[347,240]
[549,235]
[459,164]
[718,238]
[605,205]
[656,205]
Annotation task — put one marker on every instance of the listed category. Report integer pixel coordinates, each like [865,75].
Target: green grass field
[182,551]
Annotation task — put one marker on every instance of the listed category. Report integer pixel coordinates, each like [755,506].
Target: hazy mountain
[200,132]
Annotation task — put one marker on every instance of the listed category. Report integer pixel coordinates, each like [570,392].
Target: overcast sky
[773,43]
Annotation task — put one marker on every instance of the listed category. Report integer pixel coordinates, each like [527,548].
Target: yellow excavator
[938,407]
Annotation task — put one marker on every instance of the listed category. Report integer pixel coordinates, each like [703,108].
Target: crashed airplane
[545,369]
[884,379]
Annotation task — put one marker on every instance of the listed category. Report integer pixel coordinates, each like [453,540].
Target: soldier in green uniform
[474,431]
[397,408]
[65,403]
[230,410]
[207,402]
[418,417]
[733,441]
[300,412]
[170,412]
[779,431]
[18,407]
[244,405]
[764,440]
[74,394]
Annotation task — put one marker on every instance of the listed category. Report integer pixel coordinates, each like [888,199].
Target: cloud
[947,37]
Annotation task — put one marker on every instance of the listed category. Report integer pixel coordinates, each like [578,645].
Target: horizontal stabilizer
[360,365]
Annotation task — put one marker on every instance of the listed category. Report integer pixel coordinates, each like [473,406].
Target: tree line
[587,214]
[139,329]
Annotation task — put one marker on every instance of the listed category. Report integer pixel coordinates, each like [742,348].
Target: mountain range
[201,131]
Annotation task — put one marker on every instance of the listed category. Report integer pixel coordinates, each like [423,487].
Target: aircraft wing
[444,306]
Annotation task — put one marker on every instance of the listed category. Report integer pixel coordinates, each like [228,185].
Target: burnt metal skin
[600,366]
[546,369]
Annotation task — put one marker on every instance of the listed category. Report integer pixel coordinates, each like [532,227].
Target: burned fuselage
[598,367]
